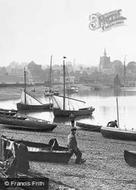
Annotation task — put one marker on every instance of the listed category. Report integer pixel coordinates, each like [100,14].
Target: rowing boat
[130,157]
[8,111]
[89,127]
[26,123]
[41,152]
[118,133]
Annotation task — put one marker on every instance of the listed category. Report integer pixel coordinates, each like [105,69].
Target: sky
[36,29]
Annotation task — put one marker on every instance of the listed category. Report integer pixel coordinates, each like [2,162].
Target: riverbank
[12,93]
[105,168]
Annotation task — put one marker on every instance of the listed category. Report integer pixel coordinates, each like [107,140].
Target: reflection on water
[105,108]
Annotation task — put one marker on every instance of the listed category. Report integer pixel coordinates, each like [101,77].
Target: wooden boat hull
[66,113]
[24,124]
[41,152]
[44,154]
[33,108]
[130,157]
[89,127]
[50,156]
[120,134]
[8,111]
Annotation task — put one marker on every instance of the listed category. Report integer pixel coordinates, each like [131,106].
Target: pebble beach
[104,169]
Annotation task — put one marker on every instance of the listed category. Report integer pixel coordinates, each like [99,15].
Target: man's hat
[73,129]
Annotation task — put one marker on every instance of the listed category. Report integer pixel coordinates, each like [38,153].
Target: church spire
[105,54]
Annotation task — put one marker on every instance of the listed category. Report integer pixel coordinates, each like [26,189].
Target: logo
[23,182]
[106,21]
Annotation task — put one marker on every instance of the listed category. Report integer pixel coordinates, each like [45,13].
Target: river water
[105,106]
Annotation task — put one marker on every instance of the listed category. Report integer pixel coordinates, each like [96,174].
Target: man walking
[72,146]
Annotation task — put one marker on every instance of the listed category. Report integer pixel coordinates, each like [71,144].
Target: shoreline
[105,167]
[14,93]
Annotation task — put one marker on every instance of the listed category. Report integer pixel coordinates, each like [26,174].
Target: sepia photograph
[67,95]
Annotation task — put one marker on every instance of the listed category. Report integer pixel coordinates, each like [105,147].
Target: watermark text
[106,21]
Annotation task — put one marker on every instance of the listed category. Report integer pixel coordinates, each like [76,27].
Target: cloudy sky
[36,29]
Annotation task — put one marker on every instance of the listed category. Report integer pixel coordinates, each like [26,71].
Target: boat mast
[117,110]
[51,72]
[116,91]
[64,88]
[125,71]
[25,84]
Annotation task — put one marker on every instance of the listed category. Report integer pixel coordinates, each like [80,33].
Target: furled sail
[29,99]
[70,104]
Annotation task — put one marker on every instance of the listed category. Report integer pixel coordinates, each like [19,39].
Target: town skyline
[72,62]
[35,30]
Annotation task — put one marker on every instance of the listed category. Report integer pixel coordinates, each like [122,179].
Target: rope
[56,101]
[34,97]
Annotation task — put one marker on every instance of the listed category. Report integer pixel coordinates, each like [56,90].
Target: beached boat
[26,123]
[41,152]
[66,105]
[30,103]
[8,111]
[118,133]
[89,127]
[130,157]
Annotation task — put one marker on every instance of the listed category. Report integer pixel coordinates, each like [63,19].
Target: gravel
[104,169]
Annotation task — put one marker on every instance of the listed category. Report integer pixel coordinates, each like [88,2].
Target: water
[104,103]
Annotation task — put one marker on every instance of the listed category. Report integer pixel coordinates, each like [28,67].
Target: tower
[105,54]
[104,62]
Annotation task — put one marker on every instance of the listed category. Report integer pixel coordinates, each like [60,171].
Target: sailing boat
[29,102]
[64,108]
[118,133]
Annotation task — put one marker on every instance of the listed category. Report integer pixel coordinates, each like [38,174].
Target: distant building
[68,79]
[36,73]
[105,64]
[15,69]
